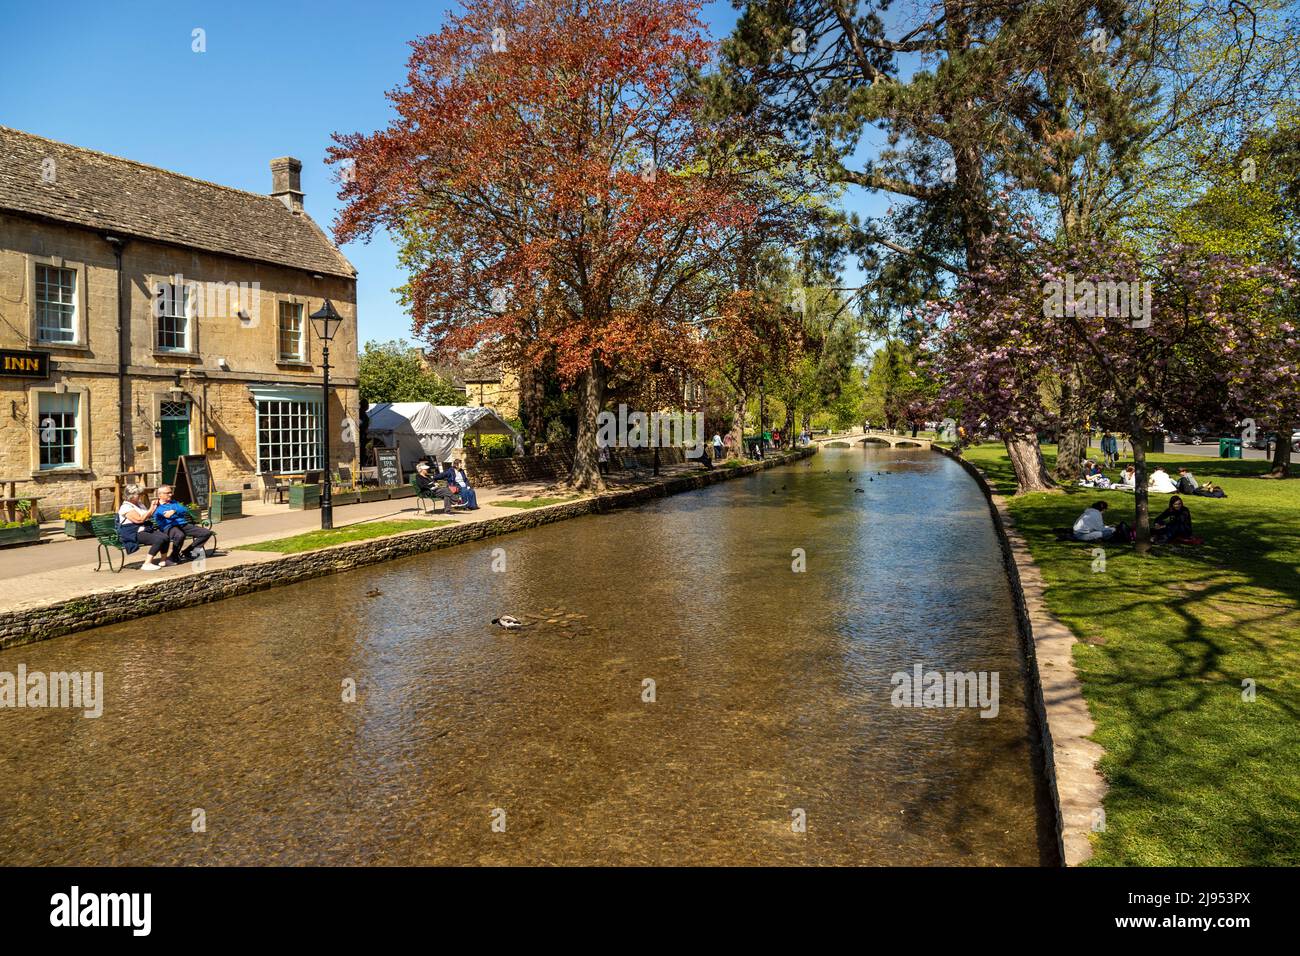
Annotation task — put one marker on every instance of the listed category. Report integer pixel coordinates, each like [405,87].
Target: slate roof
[109,193]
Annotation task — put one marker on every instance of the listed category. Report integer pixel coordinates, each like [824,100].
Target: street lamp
[326,321]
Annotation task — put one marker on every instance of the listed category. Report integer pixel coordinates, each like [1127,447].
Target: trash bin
[1229,447]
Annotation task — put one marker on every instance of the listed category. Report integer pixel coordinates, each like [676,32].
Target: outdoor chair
[423,502]
[311,477]
[105,529]
[272,485]
[345,476]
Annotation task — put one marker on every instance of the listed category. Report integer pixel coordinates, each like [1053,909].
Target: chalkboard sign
[390,467]
[193,480]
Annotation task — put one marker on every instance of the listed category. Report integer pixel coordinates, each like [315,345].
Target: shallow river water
[770,738]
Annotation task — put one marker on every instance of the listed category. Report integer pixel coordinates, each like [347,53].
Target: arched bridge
[904,440]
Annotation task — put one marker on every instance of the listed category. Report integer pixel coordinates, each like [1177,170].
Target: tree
[1200,341]
[395,372]
[558,197]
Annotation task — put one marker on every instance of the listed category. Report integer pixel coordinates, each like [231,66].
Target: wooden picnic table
[10,498]
[136,476]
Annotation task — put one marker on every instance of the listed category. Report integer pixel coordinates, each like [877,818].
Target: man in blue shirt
[174,520]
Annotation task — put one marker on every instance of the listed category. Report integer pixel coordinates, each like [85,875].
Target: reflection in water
[772,695]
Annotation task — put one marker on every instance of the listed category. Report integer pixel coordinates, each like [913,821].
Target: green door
[175,437]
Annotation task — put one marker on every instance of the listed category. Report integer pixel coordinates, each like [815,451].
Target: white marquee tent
[422,428]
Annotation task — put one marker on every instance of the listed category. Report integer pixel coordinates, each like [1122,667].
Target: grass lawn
[534,502]
[312,540]
[1198,776]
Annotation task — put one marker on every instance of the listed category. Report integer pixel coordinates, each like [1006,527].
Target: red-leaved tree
[557,196]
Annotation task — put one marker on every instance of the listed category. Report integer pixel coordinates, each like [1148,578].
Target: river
[768,735]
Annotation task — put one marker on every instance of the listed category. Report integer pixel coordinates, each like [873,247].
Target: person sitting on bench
[174,520]
[429,487]
[134,530]
[458,484]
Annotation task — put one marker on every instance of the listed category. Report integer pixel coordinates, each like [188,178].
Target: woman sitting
[1091,526]
[1174,523]
[1127,479]
[133,529]
[1161,483]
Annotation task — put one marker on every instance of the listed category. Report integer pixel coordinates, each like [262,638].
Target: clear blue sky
[278,77]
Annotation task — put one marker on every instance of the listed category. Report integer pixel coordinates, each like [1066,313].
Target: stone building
[145,315]
[493,387]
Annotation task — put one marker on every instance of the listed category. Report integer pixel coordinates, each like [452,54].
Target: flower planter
[344,498]
[23,534]
[401,491]
[373,494]
[304,497]
[78,529]
[226,505]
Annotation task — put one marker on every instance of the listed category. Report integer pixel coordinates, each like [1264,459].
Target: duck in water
[508,622]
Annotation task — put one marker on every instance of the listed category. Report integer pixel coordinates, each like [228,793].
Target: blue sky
[276,80]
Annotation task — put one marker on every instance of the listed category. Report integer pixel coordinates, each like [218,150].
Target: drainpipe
[123,355]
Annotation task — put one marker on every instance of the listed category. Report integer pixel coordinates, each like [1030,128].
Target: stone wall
[1065,725]
[109,607]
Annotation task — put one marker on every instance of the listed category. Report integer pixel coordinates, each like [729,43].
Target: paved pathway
[62,568]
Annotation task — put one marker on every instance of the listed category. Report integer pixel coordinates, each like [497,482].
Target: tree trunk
[1027,461]
[1141,512]
[1282,453]
[788,429]
[738,424]
[807,424]
[586,474]
[532,387]
[1071,449]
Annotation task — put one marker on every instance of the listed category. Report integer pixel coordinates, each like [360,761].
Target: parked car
[1194,436]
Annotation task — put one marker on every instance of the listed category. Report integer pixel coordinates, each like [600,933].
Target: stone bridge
[883,438]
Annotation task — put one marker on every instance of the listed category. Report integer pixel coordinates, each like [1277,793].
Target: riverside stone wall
[1065,725]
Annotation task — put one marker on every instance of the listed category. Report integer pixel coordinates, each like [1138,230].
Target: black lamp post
[326,322]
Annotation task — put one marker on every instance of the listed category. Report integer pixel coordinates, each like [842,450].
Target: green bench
[105,530]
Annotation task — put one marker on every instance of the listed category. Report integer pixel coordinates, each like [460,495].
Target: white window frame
[81,440]
[301,357]
[190,292]
[293,424]
[78,269]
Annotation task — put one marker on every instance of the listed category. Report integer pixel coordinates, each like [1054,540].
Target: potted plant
[304,497]
[76,522]
[225,505]
[343,495]
[22,531]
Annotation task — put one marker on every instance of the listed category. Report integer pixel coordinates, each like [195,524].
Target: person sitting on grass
[134,529]
[1091,525]
[175,521]
[1160,482]
[1187,483]
[1174,524]
[1127,479]
[429,487]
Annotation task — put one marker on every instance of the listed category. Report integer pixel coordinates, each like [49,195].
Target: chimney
[286,182]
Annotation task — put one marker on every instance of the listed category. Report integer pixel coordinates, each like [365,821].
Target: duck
[508,622]
[374,592]
[859,491]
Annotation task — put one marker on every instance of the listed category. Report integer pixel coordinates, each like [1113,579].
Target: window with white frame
[173,308]
[288,436]
[292,348]
[56,305]
[59,428]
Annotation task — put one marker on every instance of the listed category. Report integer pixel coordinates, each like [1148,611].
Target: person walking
[1109,450]
[717,447]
